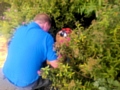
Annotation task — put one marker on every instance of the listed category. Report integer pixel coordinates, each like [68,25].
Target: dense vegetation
[94,48]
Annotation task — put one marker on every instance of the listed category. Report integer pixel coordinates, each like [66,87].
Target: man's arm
[53,63]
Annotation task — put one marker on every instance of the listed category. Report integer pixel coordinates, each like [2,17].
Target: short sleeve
[51,53]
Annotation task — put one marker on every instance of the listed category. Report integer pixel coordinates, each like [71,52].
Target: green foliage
[93,52]
[63,12]
[94,55]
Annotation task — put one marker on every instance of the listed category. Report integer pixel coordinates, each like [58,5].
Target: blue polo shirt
[29,48]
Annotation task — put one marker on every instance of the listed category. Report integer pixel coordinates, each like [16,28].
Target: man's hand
[48,62]
[53,63]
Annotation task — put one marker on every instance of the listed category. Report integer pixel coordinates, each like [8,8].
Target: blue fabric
[29,48]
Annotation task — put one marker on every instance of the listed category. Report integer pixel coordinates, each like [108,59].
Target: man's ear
[45,24]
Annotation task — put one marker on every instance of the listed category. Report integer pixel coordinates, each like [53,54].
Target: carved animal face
[62,36]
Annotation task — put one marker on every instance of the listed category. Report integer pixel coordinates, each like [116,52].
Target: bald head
[44,21]
[42,18]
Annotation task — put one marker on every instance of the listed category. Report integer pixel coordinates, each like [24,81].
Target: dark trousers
[43,84]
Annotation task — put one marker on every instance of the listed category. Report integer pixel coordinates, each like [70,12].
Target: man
[30,47]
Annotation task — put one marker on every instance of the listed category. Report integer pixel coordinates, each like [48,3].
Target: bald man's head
[42,18]
[44,21]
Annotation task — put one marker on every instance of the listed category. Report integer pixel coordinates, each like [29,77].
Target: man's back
[26,53]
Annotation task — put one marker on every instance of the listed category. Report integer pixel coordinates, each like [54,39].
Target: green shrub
[94,55]
[63,12]
[94,52]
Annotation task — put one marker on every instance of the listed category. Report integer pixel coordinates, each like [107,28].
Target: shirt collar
[33,24]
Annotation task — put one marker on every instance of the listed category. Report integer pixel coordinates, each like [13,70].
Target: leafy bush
[94,55]
[63,12]
[93,52]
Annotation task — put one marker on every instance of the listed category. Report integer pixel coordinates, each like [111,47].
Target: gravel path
[2,58]
[3,50]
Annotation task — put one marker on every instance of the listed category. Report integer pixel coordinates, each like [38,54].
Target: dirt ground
[2,59]
[3,50]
